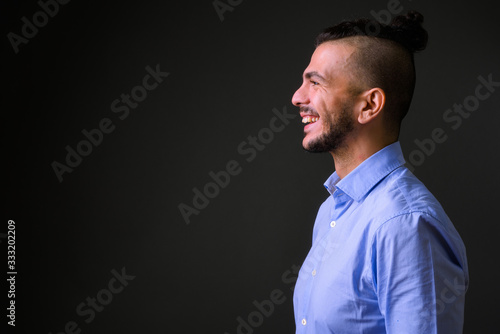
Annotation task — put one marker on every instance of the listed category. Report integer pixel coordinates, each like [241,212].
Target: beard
[336,128]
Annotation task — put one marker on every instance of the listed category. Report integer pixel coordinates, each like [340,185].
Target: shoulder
[402,195]
[409,219]
[403,206]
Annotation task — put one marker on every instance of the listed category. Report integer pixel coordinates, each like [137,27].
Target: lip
[304,114]
[310,125]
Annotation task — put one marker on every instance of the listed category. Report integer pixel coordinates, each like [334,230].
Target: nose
[300,97]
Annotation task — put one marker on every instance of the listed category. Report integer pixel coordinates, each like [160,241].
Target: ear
[372,102]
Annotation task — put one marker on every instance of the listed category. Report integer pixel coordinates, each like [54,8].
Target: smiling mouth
[309,119]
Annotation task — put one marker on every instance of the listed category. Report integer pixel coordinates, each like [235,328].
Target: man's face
[326,98]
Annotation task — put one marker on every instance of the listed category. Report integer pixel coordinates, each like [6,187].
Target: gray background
[119,208]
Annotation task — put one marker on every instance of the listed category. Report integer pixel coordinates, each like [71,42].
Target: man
[385,257]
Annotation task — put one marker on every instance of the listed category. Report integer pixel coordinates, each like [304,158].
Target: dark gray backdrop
[118,209]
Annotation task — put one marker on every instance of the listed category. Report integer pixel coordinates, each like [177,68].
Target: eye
[315,83]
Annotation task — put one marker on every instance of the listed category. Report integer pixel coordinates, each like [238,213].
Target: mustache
[308,110]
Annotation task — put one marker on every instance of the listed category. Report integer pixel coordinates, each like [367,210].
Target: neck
[351,155]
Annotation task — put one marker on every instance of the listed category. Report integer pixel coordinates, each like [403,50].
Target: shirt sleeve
[419,276]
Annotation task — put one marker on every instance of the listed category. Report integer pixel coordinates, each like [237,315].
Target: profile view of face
[326,99]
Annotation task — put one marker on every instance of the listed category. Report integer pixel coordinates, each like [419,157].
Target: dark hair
[405,30]
[384,57]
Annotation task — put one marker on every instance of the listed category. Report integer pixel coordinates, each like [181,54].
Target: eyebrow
[309,75]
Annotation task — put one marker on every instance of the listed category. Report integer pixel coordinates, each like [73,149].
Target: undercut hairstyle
[383,58]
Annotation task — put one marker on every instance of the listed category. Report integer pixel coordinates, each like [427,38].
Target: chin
[306,145]
[308,141]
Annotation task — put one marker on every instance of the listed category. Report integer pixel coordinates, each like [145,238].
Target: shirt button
[333,223]
[304,321]
[314,272]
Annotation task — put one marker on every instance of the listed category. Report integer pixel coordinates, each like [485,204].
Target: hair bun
[409,32]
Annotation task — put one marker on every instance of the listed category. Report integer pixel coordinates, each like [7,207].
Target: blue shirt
[385,257]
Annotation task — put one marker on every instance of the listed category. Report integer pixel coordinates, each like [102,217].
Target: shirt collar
[364,177]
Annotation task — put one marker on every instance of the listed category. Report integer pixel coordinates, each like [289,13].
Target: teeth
[309,119]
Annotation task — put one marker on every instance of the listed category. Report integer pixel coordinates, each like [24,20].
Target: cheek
[324,107]
[326,98]
[319,102]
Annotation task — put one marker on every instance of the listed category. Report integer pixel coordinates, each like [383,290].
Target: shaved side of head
[385,64]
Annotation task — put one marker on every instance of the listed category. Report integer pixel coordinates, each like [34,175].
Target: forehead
[331,58]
